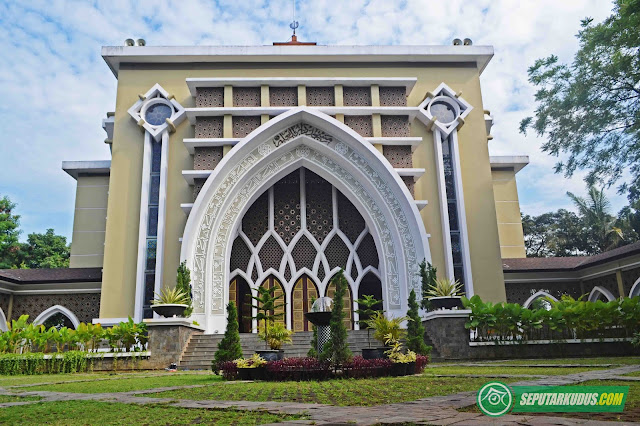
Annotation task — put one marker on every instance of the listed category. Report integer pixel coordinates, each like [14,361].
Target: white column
[444,212]
[162,207]
[462,215]
[142,228]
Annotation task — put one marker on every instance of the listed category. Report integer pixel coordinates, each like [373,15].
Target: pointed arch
[597,291]
[537,295]
[3,321]
[635,289]
[57,309]
[302,137]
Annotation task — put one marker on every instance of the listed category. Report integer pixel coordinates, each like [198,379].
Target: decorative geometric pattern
[520,292]
[321,96]
[287,272]
[283,96]
[207,158]
[197,187]
[354,271]
[337,253]
[301,129]
[367,252]
[350,220]
[321,273]
[356,96]
[303,294]
[395,126]
[255,221]
[156,110]
[410,183]
[209,127]
[209,97]
[304,253]
[240,255]
[242,126]
[215,229]
[286,206]
[398,155]
[319,210]
[271,254]
[246,96]
[607,281]
[629,278]
[157,114]
[362,124]
[254,273]
[85,306]
[393,96]
[448,108]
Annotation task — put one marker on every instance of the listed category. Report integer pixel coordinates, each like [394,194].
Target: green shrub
[336,349]
[415,330]
[566,318]
[229,347]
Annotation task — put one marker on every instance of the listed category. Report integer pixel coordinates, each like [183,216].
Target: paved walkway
[440,410]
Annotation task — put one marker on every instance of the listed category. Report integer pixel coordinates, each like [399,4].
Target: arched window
[370,286]
[59,316]
[302,297]
[635,289]
[272,282]
[538,301]
[600,293]
[3,321]
[240,294]
[348,303]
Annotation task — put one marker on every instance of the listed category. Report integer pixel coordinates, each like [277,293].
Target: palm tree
[603,232]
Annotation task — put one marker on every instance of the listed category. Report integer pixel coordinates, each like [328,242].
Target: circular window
[443,109]
[156,113]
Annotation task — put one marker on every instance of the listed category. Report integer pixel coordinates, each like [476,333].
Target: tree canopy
[46,250]
[590,109]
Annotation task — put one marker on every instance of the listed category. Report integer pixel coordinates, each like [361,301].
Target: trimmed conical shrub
[229,347]
[415,329]
[337,348]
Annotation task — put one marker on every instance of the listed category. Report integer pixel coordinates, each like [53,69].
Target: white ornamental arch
[597,291]
[57,309]
[301,138]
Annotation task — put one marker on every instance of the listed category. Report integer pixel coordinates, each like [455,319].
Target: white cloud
[56,87]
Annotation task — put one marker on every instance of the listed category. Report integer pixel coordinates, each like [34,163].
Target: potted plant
[275,335]
[365,312]
[384,327]
[445,294]
[266,304]
[253,368]
[402,364]
[171,302]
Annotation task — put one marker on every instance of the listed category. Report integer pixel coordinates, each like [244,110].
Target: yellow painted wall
[505,192]
[124,198]
[89,222]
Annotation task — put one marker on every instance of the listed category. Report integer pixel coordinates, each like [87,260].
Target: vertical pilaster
[339,100]
[162,208]
[620,284]
[142,228]
[227,124]
[302,95]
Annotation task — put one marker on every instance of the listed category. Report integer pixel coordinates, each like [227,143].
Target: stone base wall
[166,344]
[451,341]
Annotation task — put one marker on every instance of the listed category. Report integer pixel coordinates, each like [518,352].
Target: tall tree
[46,250]
[559,233]
[590,110]
[9,232]
[603,234]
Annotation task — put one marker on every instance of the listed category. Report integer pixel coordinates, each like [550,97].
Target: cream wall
[89,222]
[124,197]
[505,192]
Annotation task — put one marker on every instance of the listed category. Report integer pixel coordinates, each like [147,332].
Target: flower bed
[302,369]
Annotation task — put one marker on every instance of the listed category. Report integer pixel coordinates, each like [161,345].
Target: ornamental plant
[183,282]
[170,296]
[266,304]
[383,326]
[427,277]
[229,347]
[365,311]
[336,349]
[254,362]
[415,329]
[275,335]
[444,287]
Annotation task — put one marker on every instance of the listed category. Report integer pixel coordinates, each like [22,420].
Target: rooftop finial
[294,25]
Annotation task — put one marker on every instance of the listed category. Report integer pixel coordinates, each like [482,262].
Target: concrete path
[440,410]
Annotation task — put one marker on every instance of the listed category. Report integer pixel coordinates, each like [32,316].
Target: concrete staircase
[201,348]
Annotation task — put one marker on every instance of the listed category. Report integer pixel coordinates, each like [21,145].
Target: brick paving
[439,410]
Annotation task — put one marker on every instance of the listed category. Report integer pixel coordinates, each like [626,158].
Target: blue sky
[56,88]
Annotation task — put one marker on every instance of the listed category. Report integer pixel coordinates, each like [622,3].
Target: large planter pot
[374,353]
[169,310]
[259,373]
[398,369]
[446,302]
[411,368]
[244,373]
[271,354]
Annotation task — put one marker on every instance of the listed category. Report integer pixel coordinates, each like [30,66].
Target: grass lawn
[104,413]
[363,392]
[129,383]
[58,378]
[498,370]
[573,361]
